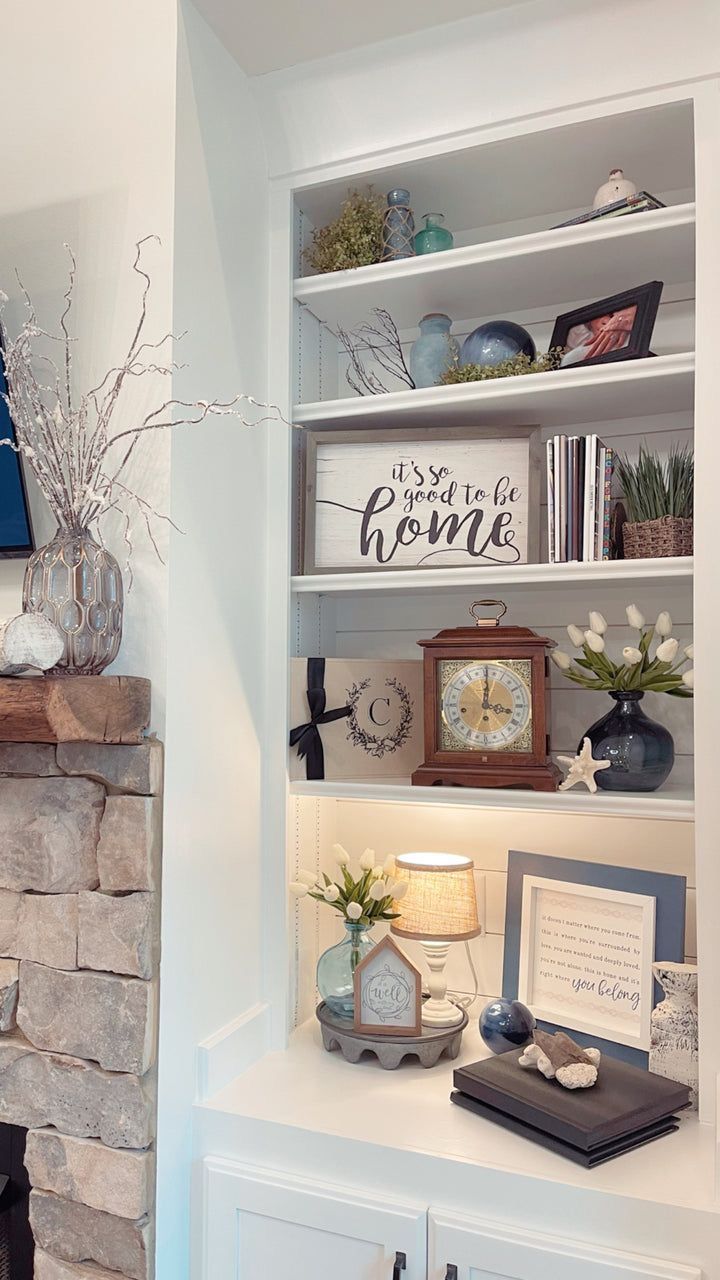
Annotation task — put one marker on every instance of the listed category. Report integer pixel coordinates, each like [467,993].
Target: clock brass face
[486,705]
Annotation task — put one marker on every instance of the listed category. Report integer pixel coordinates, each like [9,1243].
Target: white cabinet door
[463,1248]
[275,1226]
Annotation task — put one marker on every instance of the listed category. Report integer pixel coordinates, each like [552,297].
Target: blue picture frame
[669,892]
[16,534]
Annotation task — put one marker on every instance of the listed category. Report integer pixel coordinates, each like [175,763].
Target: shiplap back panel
[389,626]
[486,836]
[322,363]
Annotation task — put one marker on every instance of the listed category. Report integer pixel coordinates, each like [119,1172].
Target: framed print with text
[420,499]
[580,942]
[388,992]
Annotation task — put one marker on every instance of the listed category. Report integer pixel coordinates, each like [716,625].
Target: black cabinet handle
[400,1265]
[452,1272]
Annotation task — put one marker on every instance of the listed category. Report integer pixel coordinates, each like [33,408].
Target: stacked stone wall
[80,828]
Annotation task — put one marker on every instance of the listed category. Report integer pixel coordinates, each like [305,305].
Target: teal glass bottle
[434,236]
[336,969]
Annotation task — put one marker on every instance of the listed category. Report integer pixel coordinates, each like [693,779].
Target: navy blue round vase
[505,1025]
[496,341]
[641,751]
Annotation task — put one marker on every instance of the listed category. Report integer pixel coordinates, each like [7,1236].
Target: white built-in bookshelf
[508,262]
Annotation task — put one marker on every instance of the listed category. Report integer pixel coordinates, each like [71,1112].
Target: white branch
[66,439]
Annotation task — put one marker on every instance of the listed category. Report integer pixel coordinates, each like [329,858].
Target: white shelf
[303,1093]
[673,803]
[559,267]
[432,581]
[563,398]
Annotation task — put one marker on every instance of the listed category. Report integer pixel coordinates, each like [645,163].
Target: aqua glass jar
[336,969]
[434,236]
[434,352]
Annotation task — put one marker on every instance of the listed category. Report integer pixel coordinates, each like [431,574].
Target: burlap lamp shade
[440,902]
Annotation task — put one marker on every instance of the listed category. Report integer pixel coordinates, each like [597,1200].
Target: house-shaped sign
[388,991]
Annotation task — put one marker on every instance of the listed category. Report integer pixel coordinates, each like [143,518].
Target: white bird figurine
[617,187]
[582,768]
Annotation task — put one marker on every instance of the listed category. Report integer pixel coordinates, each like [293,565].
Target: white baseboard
[231,1050]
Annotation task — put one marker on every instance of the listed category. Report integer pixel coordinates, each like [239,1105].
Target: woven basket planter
[650,539]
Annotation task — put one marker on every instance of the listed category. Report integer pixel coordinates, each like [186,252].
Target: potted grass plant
[659,503]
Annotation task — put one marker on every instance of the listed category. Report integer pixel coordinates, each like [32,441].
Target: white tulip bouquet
[361,899]
[641,670]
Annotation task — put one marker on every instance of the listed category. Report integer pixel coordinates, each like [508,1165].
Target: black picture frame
[16,531]
[646,299]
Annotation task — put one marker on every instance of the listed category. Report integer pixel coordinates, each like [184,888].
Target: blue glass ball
[505,1025]
[496,341]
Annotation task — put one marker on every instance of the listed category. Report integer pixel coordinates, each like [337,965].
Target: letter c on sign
[371,710]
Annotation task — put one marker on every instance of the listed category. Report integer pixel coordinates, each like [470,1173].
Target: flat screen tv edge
[16,533]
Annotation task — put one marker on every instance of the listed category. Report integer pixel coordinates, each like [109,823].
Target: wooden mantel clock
[487,706]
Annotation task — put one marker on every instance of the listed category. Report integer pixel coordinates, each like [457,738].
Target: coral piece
[560,1058]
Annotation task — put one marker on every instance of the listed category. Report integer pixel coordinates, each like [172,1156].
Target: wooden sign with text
[421,499]
[388,993]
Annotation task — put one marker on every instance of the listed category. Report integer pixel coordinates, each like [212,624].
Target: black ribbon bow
[306,737]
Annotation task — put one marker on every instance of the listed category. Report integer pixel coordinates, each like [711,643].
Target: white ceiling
[266,35]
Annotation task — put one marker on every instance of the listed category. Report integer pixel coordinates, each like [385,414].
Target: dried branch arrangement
[374,343]
[79,446]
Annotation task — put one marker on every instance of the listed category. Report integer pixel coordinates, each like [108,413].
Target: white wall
[216,644]
[495,67]
[87,158]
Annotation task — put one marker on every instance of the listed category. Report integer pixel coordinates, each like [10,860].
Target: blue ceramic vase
[496,341]
[505,1025]
[336,969]
[398,232]
[641,752]
[434,351]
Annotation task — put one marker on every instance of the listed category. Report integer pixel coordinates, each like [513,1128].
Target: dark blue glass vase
[641,752]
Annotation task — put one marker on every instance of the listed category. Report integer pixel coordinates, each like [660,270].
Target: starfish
[582,768]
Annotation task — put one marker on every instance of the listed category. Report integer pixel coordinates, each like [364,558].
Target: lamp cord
[467,1001]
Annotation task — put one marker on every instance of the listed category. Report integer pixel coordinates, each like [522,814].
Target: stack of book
[579,475]
[627,1108]
[638,203]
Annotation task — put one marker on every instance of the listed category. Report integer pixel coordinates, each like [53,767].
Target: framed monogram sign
[422,499]
[355,718]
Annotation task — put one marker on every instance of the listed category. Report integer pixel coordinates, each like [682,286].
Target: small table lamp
[439,907]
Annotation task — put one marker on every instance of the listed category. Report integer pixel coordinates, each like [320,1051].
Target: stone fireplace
[80,827]
[16,1242]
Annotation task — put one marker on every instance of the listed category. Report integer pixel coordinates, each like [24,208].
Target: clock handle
[487,604]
